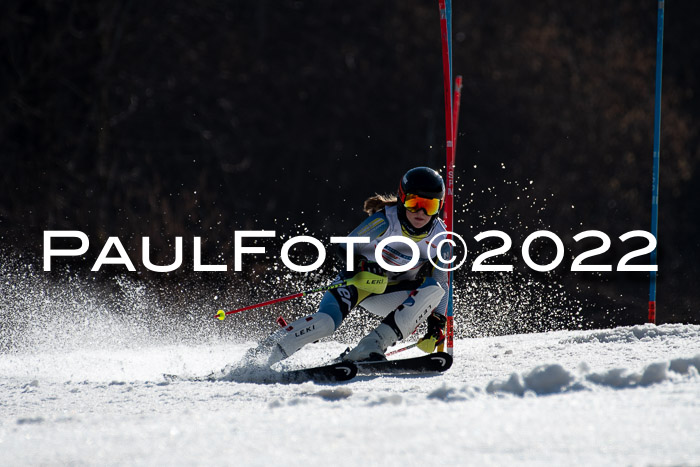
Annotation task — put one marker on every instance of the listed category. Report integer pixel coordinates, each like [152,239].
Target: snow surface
[624,396]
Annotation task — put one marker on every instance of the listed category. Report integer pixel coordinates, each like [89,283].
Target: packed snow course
[623,396]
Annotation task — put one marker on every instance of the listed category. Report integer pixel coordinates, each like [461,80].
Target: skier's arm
[372,227]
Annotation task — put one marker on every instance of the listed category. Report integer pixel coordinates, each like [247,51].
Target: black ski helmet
[424,182]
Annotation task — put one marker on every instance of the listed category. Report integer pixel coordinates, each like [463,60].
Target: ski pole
[403,349]
[372,283]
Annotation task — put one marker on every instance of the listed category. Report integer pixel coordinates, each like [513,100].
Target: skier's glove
[374,268]
[436,333]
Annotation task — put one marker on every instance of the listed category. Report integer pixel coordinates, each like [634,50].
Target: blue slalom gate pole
[655,169]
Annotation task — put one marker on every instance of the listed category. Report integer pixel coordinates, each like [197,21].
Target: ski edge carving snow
[432,363]
[335,372]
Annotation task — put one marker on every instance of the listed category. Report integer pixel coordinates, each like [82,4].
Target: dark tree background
[183,118]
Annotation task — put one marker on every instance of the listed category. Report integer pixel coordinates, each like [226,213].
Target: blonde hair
[378,202]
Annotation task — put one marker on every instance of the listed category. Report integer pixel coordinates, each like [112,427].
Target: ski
[435,362]
[331,373]
[335,372]
[320,374]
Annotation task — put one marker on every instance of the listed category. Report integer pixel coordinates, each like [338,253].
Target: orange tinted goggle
[415,203]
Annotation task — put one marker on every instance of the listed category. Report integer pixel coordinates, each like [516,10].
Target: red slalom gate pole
[445,23]
[449,327]
[455,116]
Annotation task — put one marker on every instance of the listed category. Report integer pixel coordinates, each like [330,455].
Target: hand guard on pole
[436,333]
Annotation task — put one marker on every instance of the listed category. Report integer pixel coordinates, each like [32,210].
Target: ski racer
[411,297]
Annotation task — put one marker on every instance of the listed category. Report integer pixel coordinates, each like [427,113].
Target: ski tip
[443,360]
[345,371]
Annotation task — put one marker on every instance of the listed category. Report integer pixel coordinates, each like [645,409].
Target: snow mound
[334,394]
[643,332]
[685,365]
[553,379]
[445,393]
[544,379]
